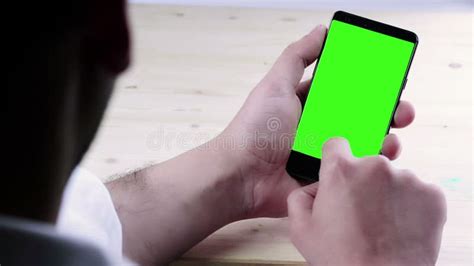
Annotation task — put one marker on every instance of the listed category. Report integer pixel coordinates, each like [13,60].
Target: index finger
[336,155]
[336,148]
[289,67]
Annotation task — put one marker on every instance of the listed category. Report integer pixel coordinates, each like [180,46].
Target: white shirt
[87,212]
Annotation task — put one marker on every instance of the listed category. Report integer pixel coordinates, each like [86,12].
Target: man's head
[62,58]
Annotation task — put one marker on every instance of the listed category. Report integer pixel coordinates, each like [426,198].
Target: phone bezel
[305,167]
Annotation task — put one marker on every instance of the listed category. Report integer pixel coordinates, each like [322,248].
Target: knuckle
[438,201]
[432,196]
[339,167]
[380,165]
[381,161]
[408,177]
[383,164]
[292,53]
[291,48]
[375,170]
[293,197]
[343,164]
[272,87]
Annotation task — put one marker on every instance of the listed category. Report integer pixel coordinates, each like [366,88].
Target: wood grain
[194,66]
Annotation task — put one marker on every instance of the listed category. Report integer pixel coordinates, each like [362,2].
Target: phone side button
[404,83]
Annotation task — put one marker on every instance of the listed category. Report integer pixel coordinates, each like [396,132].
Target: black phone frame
[306,168]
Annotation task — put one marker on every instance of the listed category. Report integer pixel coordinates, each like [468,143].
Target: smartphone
[356,86]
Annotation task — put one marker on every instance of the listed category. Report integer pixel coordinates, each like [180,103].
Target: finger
[404,115]
[336,148]
[302,90]
[311,189]
[391,147]
[288,70]
[300,203]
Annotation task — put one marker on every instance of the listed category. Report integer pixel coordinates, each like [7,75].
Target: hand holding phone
[355,90]
[263,179]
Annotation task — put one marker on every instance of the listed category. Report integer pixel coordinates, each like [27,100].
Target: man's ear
[107,36]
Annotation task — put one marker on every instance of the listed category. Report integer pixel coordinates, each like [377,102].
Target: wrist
[198,192]
[224,163]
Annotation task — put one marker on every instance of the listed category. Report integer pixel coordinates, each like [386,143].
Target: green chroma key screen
[354,91]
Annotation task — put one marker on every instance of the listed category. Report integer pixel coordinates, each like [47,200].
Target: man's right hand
[365,212]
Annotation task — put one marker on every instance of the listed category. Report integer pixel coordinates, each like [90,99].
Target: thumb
[300,205]
[289,67]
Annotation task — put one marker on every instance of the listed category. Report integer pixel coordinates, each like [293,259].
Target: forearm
[167,208]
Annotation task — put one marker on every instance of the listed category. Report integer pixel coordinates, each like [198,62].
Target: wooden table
[194,66]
